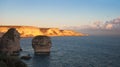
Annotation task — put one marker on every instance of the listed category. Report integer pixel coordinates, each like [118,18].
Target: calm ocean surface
[88,51]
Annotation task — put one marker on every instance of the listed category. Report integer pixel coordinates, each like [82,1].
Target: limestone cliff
[51,31]
[25,31]
[30,31]
[58,32]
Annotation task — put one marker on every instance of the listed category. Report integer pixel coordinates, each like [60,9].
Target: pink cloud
[98,27]
[109,26]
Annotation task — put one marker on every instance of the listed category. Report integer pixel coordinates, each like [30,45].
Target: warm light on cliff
[29,31]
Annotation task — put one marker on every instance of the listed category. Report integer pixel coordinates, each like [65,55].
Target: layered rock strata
[41,44]
[10,42]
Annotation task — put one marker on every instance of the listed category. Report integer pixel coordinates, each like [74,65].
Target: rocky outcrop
[11,61]
[30,31]
[9,42]
[26,57]
[41,44]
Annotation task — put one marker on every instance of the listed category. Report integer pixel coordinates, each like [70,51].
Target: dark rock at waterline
[10,42]
[10,61]
[21,49]
[28,57]
[41,44]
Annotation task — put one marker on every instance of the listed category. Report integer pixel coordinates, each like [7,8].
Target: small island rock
[41,44]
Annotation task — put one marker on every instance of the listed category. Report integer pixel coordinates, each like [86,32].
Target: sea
[75,51]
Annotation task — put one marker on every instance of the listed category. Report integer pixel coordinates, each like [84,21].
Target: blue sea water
[87,51]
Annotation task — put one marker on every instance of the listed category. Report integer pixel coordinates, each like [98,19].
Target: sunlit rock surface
[10,42]
[30,31]
[51,31]
[41,44]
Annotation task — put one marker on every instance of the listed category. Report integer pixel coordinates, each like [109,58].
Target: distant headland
[31,31]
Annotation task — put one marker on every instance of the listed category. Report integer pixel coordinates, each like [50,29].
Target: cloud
[113,24]
[111,27]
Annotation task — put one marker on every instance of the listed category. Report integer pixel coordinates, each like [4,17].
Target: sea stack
[41,44]
[10,42]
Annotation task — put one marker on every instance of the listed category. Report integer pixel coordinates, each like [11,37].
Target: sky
[87,16]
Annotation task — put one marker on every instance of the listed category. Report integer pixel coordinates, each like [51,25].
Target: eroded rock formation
[9,42]
[41,44]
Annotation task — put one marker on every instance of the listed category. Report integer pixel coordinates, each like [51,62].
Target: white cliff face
[29,31]
[52,31]
[25,31]
[10,42]
[58,32]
